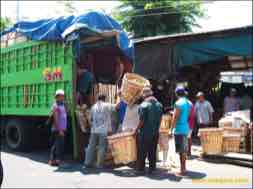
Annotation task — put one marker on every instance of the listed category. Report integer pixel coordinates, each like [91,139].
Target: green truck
[27,92]
[32,71]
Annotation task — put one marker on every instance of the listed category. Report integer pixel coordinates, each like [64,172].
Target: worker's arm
[117,106]
[141,117]
[56,123]
[55,115]
[140,125]
[175,117]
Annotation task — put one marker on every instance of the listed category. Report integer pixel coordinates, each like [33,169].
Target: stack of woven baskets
[211,140]
[219,140]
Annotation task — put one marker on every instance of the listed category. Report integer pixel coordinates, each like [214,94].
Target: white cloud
[226,14]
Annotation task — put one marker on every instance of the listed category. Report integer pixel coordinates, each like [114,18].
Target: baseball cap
[179,89]
[59,92]
[200,94]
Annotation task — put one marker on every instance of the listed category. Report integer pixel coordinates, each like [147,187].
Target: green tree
[68,6]
[4,23]
[158,17]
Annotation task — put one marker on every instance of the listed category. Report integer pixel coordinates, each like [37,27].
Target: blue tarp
[60,28]
[210,49]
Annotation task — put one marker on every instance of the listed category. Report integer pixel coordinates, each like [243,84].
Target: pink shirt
[62,117]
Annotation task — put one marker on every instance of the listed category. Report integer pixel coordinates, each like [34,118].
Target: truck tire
[18,136]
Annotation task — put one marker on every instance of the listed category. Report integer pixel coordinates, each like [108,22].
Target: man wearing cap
[150,114]
[180,126]
[231,103]
[58,129]
[203,111]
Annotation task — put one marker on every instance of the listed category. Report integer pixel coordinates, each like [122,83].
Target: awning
[210,49]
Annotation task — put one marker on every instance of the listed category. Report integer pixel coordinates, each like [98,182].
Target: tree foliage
[4,23]
[68,6]
[158,17]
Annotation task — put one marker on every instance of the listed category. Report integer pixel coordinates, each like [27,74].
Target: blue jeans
[96,150]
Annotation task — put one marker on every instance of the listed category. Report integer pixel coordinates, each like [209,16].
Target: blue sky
[222,14]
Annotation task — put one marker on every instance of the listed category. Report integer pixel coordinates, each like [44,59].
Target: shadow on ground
[159,174]
[42,155]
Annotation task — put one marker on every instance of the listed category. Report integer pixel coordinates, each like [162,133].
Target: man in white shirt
[203,111]
[100,127]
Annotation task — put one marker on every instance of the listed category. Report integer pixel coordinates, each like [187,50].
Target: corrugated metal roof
[198,35]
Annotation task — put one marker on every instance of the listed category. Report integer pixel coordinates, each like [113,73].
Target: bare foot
[180,174]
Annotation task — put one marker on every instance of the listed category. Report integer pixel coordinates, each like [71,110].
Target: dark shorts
[181,143]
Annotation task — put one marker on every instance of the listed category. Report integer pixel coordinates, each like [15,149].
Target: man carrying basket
[150,112]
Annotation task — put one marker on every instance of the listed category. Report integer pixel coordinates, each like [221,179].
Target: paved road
[31,170]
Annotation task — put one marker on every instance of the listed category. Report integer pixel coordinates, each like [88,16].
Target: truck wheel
[18,136]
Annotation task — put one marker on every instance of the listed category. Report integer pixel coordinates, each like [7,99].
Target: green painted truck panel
[30,76]
[30,73]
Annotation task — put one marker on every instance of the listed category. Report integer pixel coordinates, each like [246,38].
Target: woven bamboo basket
[231,143]
[211,140]
[132,87]
[165,125]
[123,146]
[109,158]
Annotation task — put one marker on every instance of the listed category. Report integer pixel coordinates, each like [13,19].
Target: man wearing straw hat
[150,112]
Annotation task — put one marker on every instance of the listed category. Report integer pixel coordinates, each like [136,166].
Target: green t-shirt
[150,112]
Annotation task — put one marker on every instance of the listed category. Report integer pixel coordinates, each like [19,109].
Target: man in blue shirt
[180,126]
